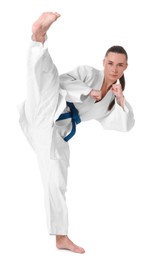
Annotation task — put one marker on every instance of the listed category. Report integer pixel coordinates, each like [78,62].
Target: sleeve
[119,119]
[76,83]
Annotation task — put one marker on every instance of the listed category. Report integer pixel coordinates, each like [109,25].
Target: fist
[95,94]
[117,90]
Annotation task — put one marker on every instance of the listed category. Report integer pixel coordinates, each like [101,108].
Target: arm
[77,83]
[116,90]
[119,119]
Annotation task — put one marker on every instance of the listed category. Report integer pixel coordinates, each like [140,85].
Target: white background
[109,179]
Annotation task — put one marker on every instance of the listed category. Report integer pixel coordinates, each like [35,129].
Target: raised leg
[42,100]
[42,75]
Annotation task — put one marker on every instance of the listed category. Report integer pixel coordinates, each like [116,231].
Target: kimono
[47,93]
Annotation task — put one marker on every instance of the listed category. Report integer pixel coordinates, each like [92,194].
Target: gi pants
[38,114]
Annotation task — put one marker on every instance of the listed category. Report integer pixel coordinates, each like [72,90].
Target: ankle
[59,237]
[38,38]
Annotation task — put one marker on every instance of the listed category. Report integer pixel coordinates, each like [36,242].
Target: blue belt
[74,115]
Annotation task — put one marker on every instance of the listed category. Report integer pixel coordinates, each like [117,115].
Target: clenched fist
[95,94]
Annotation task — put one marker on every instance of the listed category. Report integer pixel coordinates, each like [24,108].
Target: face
[114,66]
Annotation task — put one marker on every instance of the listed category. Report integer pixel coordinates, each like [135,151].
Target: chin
[113,79]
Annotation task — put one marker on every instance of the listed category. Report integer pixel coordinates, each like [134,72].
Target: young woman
[53,107]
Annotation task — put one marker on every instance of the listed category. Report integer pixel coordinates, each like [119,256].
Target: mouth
[114,75]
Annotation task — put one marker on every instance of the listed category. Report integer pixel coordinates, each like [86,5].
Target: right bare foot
[63,242]
[41,26]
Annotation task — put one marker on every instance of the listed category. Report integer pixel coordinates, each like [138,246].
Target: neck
[106,85]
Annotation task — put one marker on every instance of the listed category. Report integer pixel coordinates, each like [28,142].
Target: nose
[114,69]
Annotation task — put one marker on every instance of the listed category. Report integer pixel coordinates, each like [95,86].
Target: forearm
[119,119]
[121,101]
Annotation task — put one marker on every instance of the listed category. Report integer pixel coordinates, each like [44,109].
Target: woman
[49,122]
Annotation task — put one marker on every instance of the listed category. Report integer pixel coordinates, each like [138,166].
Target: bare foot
[41,26]
[63,242]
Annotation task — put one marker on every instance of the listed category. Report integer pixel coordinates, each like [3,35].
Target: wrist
[120,100]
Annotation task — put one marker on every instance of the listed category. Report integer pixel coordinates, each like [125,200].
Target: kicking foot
[41,26]
[63,242]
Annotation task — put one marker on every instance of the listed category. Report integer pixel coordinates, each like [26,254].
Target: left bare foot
[63,242]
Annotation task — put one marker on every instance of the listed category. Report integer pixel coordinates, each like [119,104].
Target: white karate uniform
[47,93]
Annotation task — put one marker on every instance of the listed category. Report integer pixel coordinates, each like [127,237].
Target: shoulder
[82,72]
[87,68]
[87,71]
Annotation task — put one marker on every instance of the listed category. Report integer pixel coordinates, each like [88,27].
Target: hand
[95,94]
[117,91]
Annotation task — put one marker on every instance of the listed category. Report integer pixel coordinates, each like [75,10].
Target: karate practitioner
[49,122]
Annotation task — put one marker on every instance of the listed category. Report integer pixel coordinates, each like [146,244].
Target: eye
[120,65]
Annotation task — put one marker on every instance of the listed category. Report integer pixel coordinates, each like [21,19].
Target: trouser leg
[42,86]
[59,211]
[41,103]
[54,176]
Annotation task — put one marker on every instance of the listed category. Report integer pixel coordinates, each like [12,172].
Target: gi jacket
[40,126]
